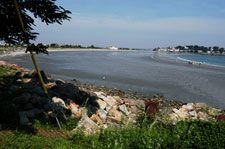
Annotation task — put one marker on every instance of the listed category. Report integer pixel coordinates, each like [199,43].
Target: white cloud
[178,24]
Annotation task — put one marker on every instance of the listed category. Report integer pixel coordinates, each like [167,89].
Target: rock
[19,80]
[84,111]
[27,80]
[102,104]
[38,100]
[19,75]
[123,108]
[99,93]
[59,102]
[28,106]
[110,100]
[75,109]
[182,115]
[65,91]
[200,106]
[187,107]
[50,84]
[140,104]
[4,63]
[97,119]
[34,112]
[131,110]
[117,98]
[60,82]
[103,114]
[193,114]
[202,116]
[213,111]
[174,118]
[88,125]
[115,114]
[113,120]
[15,66]
[38,90]
[24,121]
[22,99]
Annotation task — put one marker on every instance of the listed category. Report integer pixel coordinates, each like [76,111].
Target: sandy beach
[143,72]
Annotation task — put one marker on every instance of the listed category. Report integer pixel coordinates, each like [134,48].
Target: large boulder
[64,90]
[22,99]
[88,125]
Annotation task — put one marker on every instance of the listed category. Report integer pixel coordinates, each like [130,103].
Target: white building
[113,47]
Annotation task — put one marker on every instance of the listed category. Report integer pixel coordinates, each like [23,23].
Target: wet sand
[143,72]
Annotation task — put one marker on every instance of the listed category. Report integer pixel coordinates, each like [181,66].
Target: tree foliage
[46,10]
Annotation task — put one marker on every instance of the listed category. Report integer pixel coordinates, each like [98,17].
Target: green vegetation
[197,49]
[186,134]
[147,133]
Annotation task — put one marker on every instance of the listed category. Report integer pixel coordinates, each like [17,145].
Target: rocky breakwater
[96,107]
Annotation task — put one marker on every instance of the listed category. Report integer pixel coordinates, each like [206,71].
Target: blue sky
[139,23]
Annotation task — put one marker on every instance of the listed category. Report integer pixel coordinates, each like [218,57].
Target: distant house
[200,51]
[173,50]
[113,47]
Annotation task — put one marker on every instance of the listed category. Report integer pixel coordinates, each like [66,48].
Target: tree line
[197,49]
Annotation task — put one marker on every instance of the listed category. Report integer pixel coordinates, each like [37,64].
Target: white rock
[110,100]
[140,104]
[200,106]
[115,114]
[193,114]
[74,109]
[102,104]
[99,93]
[59,102]
[102,114]
[117,98]
[181,114]
[176,111]
[108,108]
[187,108]
[184,115]
[202,116]
[123,108]
[88,125]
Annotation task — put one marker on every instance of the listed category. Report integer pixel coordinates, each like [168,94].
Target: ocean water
[206,59]
[137,71]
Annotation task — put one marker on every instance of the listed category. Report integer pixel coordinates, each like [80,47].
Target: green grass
[186,134]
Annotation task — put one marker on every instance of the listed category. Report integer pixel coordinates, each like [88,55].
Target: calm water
[138,71]
[208,59]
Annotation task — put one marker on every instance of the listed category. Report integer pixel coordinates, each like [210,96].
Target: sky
[138,23]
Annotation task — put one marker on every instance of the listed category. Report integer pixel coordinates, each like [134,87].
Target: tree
[221,50]
[10,27]
[216,49]
[16,25]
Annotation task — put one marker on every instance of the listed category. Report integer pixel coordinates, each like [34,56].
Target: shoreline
[185,62]
[172,88]
[21,52]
